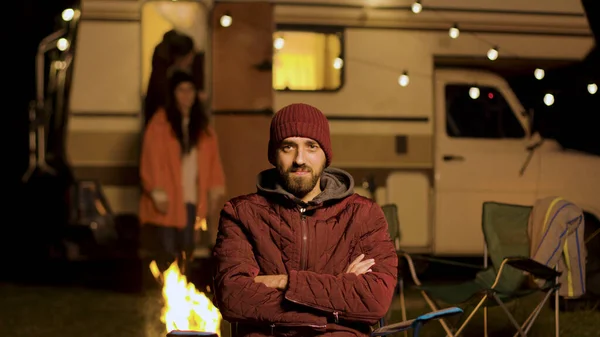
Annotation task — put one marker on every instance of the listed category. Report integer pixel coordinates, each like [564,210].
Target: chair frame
[524,264]
[491,293]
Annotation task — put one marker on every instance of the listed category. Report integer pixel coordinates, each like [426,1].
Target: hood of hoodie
[336,184]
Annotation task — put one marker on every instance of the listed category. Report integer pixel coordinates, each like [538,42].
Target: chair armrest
[414,323]
[533,267]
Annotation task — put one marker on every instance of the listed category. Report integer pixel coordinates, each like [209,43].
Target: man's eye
[286,148]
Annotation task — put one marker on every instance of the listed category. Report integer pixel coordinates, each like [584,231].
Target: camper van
[410,117]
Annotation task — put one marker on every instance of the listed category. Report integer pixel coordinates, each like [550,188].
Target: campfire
[185,308]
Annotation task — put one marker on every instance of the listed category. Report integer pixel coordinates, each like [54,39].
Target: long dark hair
[176,45]
[173,45]
[198,119]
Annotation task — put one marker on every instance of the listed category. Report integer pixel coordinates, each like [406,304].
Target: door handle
[450,157]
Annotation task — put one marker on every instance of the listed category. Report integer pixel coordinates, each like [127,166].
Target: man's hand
[359,267]
[273,281]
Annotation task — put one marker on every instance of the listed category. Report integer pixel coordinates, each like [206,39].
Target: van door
[480,150]
[242,90]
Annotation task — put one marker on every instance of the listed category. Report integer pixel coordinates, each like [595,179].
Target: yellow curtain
[306,61]
[295,71]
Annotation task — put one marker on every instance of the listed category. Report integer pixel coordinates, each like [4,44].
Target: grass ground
[572,324]
[73,309]
[54,311]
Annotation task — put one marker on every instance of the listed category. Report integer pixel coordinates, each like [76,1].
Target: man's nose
[299,160]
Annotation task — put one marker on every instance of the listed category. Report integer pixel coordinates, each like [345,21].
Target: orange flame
[185,308]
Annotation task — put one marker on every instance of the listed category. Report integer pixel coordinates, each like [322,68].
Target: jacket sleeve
[361,298]
[238,297]
[150,163]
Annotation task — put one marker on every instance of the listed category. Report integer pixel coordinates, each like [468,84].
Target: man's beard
[299,186]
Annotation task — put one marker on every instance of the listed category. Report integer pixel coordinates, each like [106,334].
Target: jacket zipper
[304,250]
[304,257]
[294,325]
[303,261]
[336,314]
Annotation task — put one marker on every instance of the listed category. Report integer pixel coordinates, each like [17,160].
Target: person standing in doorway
[181,172]
[174,53]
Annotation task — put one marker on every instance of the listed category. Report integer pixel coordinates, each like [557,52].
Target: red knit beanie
[300,120]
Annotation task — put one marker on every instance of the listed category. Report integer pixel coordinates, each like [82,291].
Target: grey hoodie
[336,184]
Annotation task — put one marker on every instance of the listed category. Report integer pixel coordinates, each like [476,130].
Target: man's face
[300,162]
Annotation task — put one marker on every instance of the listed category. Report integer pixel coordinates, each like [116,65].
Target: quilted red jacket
[272,232]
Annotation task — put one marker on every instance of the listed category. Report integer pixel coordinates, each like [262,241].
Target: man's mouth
[300,172]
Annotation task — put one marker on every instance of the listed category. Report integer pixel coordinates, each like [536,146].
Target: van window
[487,115]
[307,60]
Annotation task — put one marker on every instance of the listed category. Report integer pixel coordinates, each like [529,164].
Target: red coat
[266,234]
[161,167]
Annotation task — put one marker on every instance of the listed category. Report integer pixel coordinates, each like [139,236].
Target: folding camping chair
[505,232]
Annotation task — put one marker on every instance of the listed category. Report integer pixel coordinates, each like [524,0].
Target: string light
[62,44]
[539,73]
[404,80]
[492,54]
[474,92]
[454,32]
[548,99]
[416,7]
[278,43]
[226,20]
[68,14]
[338,63]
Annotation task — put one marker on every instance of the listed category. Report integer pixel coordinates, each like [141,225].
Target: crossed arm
[358,267]
[363,293]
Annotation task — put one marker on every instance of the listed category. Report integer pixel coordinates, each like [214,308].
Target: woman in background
[181,173]
[174,53]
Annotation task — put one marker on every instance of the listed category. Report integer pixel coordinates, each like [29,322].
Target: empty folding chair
[505,229]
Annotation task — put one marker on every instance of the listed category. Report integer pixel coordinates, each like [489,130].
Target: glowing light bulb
[592,88]
[68,14]
[416,7]
[404,80]
[278,43]
[62,44]
[548,99]
[226,20]
[492,54]
[539,73]
[474,92]
[338,63]
[454,32]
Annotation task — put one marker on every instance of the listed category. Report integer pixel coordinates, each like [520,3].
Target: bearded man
[304,255]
